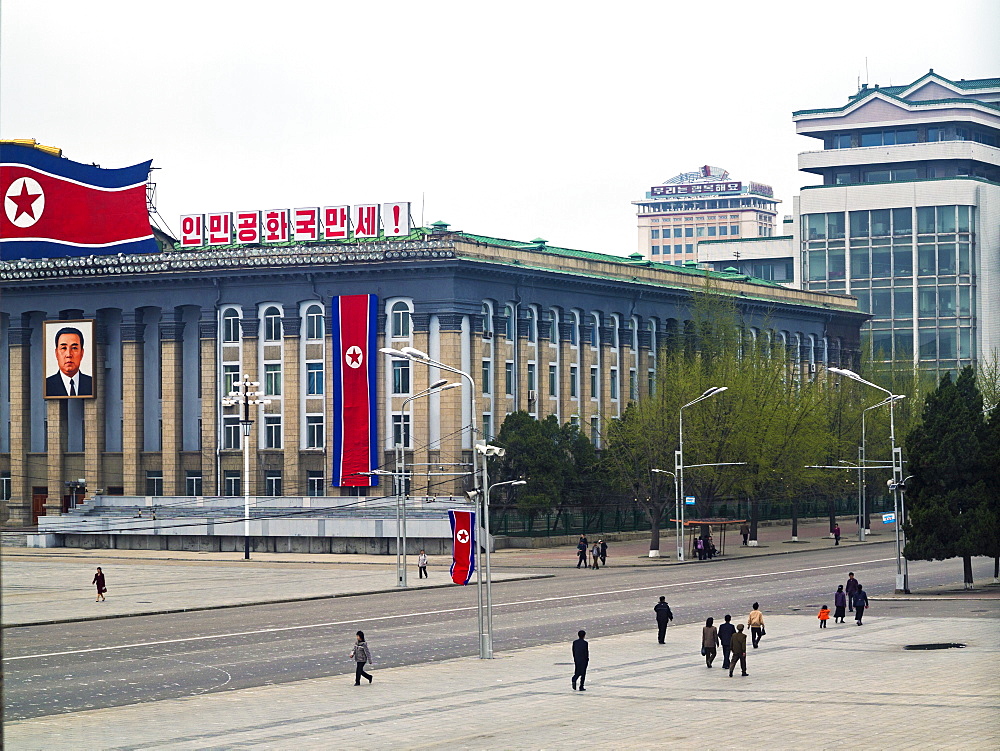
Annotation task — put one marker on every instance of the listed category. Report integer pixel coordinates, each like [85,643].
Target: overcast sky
[516,119]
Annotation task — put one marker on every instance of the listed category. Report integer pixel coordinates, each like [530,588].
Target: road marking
[437,612]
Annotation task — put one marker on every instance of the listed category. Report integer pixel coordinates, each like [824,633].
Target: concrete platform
[807,688]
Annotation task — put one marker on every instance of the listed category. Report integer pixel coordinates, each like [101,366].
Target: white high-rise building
[907,218]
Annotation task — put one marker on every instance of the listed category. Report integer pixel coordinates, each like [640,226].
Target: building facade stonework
[551,331]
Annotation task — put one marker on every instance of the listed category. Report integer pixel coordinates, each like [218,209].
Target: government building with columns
[551,331]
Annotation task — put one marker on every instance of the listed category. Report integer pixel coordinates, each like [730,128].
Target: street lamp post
[902,574]
[435,388]
[862,531]
[411,353]
[245,395]
[679,462]
[676,503]
[487,451]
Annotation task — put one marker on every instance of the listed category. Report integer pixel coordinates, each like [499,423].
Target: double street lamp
[244,393]
[902,574]
[679,465]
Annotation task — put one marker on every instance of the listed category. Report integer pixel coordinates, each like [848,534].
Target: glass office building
[908,216]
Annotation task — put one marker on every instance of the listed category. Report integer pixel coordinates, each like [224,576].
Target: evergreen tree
[946,495]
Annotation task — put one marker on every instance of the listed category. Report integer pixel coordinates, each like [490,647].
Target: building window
[5,487]
[529,316]
[272,379]
[272,482]
[654,234]
[362,492]
[701,232]
[574,420]
[655,250]
[314,322]
[595,430]
[508,378]
[613,383]
[192,483]
[508,322]
[593,383]
[314,379]
[553,380]
[595,331]
[574,330]
[401,430]
[487,319]
[231,434]
[400,320]
[734,229]
[651,382]
[633,385]
[154,482]
[487,377]
[272,325]
[315,432]
[230,326]
[531,377]
[488,427]
[315,486]
[689,232]
[231,482]
[574,381]
[230,375]
[400,376]
[272,431]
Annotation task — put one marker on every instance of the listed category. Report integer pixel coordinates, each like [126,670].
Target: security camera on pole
[245,394]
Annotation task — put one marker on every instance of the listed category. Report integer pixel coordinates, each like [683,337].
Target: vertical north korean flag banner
[463,539]
[355,427]
[56,207]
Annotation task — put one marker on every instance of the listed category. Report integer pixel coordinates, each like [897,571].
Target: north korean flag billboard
[55,207]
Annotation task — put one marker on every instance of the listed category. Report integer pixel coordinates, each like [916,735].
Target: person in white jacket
[422,565]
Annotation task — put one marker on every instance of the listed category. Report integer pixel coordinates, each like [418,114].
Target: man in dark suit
[69,381]
[663,617]
[581,658]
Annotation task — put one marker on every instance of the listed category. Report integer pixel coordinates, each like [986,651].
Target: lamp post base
[654,553]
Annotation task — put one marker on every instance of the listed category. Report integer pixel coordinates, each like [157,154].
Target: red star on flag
[24,202]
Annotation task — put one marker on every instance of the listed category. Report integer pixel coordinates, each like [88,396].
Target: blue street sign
[889,518]
[689,500]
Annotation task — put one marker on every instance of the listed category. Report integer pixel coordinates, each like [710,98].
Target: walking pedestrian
[581,658]
[709,638]
[745,531]
[756,623]
[699,546]
[595,553]
[99,581]
[361,656]
[726,631]
[581,552]
[852,586]
[604,552]
[839,604]
[836,534]
[739,645]
[663,618]
[860,603]
[422,565]
[824,616]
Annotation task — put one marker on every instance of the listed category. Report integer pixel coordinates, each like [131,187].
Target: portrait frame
[52,385]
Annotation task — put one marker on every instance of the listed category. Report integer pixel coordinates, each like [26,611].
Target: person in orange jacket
[824,616]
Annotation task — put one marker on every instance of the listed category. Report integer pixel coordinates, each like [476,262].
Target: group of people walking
[850,596]
[598,553]
[732,639]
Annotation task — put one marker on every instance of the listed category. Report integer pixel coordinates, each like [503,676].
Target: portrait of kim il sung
[68,359]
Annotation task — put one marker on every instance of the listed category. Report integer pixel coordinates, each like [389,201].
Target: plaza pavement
[807,689]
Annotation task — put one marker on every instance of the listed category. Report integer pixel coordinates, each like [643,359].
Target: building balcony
[818,161]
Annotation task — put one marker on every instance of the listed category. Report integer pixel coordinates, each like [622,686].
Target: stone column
[55,450]
[451,402]
[292,399]
[21,389]
[421,378]
[250,328]
[94,415]
[171,384]
[132,330]
[208,328]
